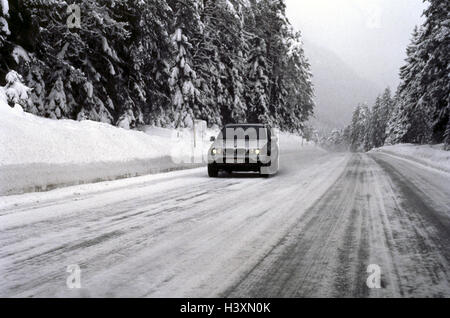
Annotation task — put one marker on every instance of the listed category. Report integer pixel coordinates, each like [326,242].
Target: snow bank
[41,154]
[432,156]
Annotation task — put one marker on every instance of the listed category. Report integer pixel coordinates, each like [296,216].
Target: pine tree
[16,92]
[355,129]
[183,77]
[220,63]
[381,112]
[162,63]
[434,53]
[207,60]
[274,29]
[405,115]
[375,129]
[284,91]
[150,58]
[38,93]
[360,129]
[258,94]
[410,121]
[365,119]
[4,27]
[299,104]
[56,100]
[421,112]
[5,47]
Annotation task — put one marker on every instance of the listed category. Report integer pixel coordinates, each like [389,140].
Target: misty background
[355,48]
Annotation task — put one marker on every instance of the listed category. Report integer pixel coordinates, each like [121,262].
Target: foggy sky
[369,35]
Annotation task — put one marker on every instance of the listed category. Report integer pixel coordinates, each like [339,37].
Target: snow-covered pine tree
[5,48]
[299,103]
[375,129]
[434,55]
[4,27]
[127,120]
[230,64]
[15,90]
[150,58]
[273,28]
[220,63]
[237,48]
[286,79]
[183,77]
[381,112]
[365,119]
[56,100]
[359,136]
[387,106]
[398,124]
[81,58]
[208,65]
[258,95]
[238,113]
[422,106]
[409,122]
[38,93]
[355,130]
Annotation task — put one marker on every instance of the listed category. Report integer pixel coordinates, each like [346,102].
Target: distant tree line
[419,111]
[158,62]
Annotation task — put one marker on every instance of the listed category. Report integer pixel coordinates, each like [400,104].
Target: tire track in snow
[309,260]
[163,232]
[371,215]
[419,223]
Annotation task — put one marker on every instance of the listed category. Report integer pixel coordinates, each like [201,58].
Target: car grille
[236,155]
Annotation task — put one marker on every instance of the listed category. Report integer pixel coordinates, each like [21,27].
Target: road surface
[311,231]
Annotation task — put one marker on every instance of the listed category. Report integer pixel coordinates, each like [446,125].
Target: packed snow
[41,154]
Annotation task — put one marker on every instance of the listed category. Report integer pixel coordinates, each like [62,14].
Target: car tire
[213,172]
[264,175]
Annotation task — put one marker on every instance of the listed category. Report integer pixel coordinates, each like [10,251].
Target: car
[244,147]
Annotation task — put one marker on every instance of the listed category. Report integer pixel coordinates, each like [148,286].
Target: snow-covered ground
[40,153]
[310,231]
[428,155]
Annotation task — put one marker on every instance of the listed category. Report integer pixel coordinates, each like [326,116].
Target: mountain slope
[338,88]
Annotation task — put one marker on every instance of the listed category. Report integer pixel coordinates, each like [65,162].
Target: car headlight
[216,151]
[255,151]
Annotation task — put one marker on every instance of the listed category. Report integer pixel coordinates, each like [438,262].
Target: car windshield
[243,133]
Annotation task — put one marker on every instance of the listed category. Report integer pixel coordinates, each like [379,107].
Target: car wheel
[213,172]
[264,175]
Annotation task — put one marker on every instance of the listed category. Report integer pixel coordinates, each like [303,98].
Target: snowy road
[310,231]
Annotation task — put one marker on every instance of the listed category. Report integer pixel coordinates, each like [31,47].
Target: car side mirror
[212,139]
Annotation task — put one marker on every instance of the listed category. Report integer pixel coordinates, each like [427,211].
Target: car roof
[246,125]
